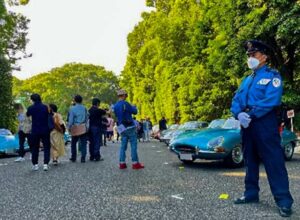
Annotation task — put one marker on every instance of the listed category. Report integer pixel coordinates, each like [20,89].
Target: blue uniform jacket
[259,93]
[123,111]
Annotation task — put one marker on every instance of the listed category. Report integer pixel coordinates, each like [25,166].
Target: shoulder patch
[276,82]
[263,81]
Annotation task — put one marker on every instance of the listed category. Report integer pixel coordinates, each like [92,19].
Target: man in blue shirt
[254,106]
[40,131]
[78,117]
[126,127]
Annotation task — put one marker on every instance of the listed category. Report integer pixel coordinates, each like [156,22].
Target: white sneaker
[35,167]
[46,167]
[19,159]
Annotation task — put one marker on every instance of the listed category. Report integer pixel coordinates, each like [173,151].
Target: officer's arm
[236,105]
[271,100]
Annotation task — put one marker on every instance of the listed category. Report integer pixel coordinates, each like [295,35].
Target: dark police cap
[252,46]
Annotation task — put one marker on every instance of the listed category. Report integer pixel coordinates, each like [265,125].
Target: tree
[13,32]
[61,84]
[186,58]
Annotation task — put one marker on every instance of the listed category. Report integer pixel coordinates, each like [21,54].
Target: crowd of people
[43,126]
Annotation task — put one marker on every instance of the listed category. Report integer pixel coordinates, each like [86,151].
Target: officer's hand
[244,119]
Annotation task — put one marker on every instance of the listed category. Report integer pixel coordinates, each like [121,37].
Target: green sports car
[184,128]
[221,144]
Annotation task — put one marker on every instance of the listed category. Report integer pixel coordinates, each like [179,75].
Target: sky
[85,31]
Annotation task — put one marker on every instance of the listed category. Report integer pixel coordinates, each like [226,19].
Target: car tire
[235,158]
[289,151]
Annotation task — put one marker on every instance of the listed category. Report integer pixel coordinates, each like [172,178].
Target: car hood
[201,138]
[8,141]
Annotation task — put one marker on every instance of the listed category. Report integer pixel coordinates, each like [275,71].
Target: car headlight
[216,142]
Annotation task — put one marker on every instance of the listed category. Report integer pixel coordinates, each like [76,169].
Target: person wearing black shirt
[40,130]
[95,117]
[103,129]
[162,124]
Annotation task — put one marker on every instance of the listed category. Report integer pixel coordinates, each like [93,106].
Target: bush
[297,122]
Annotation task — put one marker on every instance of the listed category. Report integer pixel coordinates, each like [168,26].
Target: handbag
[80,129]
[77,130]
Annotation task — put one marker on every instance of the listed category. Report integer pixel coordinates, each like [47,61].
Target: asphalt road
[165,189]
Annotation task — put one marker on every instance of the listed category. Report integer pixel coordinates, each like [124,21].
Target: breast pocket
[260,91]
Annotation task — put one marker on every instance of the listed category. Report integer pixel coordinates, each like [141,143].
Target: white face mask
[252,63]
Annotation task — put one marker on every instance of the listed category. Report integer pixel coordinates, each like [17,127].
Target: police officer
[254,106]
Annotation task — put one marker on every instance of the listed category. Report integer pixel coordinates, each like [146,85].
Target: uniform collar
[260,70]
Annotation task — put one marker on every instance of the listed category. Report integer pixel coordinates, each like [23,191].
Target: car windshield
[4,132]
[172,127]
[155,128]
[231,123]
[218,123]
[188,125]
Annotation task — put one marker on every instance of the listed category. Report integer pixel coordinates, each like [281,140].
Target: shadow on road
[207,165]
[3,156]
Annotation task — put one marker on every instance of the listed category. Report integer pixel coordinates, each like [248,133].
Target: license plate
[186,156]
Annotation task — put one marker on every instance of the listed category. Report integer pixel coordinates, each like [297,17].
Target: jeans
[83,141]
[95,142]
[103,137]
[36,138]
[146,135]
[129,135]
[22,138]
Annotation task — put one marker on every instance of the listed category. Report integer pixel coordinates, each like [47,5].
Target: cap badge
[249,45]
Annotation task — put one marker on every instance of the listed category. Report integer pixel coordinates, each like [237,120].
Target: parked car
[165,132]
[67,137]
[155,132]
[184,128]
[222,144]
[214,124]
[9,143]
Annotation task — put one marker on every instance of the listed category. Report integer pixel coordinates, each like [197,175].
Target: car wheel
[288,151]
[235,158]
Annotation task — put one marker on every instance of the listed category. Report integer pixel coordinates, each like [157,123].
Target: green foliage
[297,122]
[186,58]
[13,31]
[61,84]
[24,2]
[7,117]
